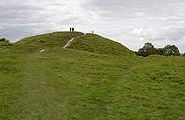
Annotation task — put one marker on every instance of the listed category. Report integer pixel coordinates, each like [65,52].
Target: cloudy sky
[130,22]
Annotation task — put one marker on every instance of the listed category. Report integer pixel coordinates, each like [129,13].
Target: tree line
[149,49]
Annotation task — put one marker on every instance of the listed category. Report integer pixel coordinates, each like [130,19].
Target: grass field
[69,84]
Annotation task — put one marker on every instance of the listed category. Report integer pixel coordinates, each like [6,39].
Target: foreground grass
[74,85]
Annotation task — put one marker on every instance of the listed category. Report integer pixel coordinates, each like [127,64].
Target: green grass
[2,44]
[98,44]
[90,42]
[68,84]
[50,39]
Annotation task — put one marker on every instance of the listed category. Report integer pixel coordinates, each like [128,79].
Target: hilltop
[50,39]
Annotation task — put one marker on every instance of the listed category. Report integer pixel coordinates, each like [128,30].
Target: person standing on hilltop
[70,29]
[73,29]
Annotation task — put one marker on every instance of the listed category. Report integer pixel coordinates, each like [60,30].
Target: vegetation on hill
[89,42]
[50,39]
[149,49]
[71,84]
[4,42]
[97,44]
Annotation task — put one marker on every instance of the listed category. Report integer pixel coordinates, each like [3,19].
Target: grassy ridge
[90,42]
[68,84]
[50,39]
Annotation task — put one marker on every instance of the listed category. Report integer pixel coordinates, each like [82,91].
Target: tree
[3,40]
[147,50]
[171,50]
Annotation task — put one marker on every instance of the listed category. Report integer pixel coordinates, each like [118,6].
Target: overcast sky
[130,22]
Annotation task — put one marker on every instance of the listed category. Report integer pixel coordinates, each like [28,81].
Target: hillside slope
[68,84]
[90,42]
[82,82]
[97,44]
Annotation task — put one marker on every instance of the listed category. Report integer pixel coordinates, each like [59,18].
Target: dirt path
[69,42]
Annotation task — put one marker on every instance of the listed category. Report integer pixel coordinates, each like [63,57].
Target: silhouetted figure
[73,29]
[70,29]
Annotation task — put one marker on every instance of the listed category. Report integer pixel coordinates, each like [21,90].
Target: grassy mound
[90,42]
[50,39]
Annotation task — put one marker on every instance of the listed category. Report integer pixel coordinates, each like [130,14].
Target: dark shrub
[147,50]
[171,50]
[3,40]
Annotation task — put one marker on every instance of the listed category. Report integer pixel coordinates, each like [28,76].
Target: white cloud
[131,22]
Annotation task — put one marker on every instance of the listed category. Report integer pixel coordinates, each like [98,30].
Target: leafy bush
[149,49]
[171,50]
[4,42]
